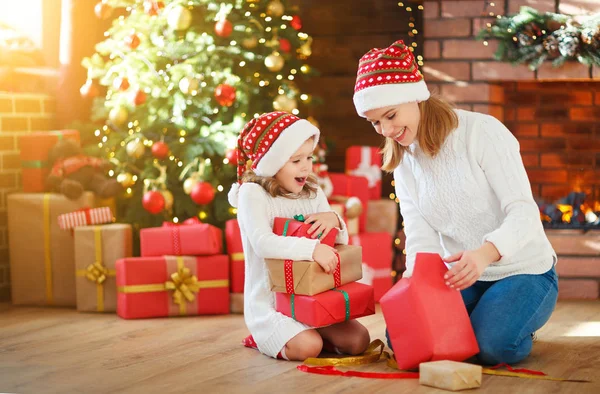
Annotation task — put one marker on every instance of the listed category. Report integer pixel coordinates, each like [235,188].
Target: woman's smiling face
[398,122]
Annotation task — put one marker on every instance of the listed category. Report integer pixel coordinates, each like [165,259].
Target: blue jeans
[505,313]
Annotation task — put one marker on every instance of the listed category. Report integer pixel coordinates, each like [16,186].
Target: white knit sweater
[475,190]
[256,212]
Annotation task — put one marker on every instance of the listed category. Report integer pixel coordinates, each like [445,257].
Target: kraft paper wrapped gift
[233,240]
[450,375]
[382,216]
[97,249]
[365,161]
[172,286]
[187,239]
[351,224]
[42,256]
[34,156]
[426,319]
[297,228]
[308,277]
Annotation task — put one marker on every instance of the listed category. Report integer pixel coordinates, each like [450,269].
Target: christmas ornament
[296,22]
[125,179]
[188,85]
[160,150]
[231,156]
[135,148]
[275,8]
[132,41]
[153,202]
[590,36]
[202,193]
[223,28]
[568,42]
[250,42]
[274,62]
[103,10]
[118,115]
[152,8]
[89,89]
[225,95]
[139,98]
[524,38]
[354,207]
[179,18]
[168,197]
[284,45]
[551,46]
[120,83]
[188,184]
[284,103]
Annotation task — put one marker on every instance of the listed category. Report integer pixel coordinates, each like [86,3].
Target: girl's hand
[470,266]
[326,257]
[322,222]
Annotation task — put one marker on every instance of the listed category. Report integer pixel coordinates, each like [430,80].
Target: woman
[464,194]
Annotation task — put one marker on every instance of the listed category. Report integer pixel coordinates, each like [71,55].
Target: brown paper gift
[450,375]
[351,224]
[237,303]
[97,248]
[382,217]
[42,258]
[308,278]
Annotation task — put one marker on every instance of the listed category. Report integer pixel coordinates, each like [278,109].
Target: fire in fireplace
[571,211]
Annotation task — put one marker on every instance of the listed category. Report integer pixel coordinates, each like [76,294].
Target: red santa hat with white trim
[386,77]
[266,143]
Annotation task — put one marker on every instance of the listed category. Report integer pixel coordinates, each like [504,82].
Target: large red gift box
[294,228]
[194,239]
[377,260]
[426,319]
[233,239]
[365,161]
[34,156]
[172,286]
[337,305]
[352,186]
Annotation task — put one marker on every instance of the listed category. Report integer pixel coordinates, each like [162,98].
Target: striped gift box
[85,217]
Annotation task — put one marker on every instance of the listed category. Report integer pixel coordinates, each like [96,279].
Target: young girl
[274,180]
[464,194]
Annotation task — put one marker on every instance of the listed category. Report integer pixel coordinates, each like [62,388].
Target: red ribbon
[518,370]
[331,370]
[337,273]
[289,276]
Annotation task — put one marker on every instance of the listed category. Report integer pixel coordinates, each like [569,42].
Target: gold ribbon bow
[96,272]
[184,285]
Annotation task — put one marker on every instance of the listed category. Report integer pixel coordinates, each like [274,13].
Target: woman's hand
[470,265]
[326,257]
[322,223]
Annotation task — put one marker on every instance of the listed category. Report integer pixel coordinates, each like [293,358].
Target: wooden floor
[58,350]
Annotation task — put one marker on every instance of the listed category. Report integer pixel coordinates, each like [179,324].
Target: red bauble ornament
[132,41]
[160,150]
[153,7]
[223,28]
[103,10]
[284,45]
[89,89]
[202,193]
[225,95]
[296,22]
[231,156]
[153,202]
[121,83]
[139,98]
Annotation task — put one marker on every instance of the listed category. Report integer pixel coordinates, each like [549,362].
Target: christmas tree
[173,84]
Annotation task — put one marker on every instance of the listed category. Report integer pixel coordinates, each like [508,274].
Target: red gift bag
[427,320]
[294,228]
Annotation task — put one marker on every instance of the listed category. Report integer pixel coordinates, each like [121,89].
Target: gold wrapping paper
[97,248]
[382,217]
[42,258]
[310,279]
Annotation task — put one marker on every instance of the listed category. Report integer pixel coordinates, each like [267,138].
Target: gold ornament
[118,115]
[135,148]
[179,18]
[168,196]
[250,42]
[284,103]
[189,85]
[274,62]
[125,179]
[275,8]
[189,184]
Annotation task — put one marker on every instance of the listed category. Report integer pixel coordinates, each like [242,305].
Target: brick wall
[19,113]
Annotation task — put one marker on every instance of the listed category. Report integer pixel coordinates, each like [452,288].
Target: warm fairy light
[97,133]
[220,188]
[182,140]
[393,183]
[392,196]
[295,111]
[397,241]
[242,63]
[207,161]
[175,219]
[202,215]
[111,173]
[180,164]
[225,161]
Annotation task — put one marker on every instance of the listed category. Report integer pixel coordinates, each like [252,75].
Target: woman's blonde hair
[275,189]
[438,120]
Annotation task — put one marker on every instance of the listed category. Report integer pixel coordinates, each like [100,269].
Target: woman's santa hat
[386,77]
[266,143]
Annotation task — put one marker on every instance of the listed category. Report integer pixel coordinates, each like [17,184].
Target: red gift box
[172,286]
[426,319]
[352,186]
[365,161]
[85,217]
[294,228]
[377,257]
[34,156]
[346,302]
[189,239]
[233,239]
